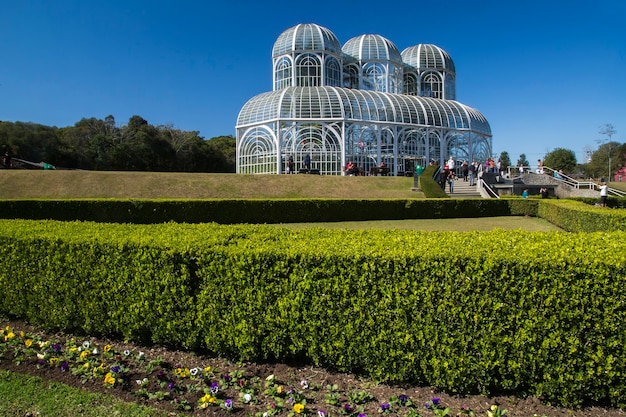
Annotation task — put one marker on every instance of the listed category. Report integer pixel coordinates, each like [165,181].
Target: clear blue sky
[546,74]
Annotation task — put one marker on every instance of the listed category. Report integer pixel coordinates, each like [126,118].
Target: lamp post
[608,130]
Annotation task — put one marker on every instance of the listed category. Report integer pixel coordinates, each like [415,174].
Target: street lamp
[602,142]
[609,131]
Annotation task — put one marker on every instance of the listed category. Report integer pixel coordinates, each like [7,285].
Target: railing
[560,177]
[487,188]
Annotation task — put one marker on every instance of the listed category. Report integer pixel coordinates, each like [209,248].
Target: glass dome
[331,103]
[427,56]
[372,48]
[306,37]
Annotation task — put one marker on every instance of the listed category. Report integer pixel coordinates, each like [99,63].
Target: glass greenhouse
[365,103]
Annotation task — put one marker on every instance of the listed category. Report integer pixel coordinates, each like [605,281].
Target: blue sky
[546,74]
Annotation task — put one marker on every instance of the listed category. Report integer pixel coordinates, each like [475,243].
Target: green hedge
[488,312]
[575,216]
[256,211]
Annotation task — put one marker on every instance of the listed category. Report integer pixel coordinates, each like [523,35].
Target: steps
[462,189]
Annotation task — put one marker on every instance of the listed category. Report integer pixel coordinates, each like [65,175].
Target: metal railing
[482,185]
[560,177]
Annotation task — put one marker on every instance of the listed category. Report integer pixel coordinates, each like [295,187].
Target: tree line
[96,144]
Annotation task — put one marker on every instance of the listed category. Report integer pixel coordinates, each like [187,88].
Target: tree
[608,130]
[561,158]
[522,161]
[505,161]
[609,153]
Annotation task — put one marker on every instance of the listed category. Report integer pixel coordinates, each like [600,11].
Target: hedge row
[574,216]
[504,311]
[233,211]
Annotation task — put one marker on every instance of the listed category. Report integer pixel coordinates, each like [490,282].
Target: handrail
[483,185]
[576,184]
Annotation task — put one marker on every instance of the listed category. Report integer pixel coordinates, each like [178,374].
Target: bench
[379,170]
[309,171]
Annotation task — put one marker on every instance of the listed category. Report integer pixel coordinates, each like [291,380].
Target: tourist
[465,170]
[604,194]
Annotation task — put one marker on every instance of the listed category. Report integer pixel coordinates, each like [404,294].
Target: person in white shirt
[604,193]
[451,163]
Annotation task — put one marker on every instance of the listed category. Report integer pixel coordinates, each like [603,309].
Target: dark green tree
[561,159]
[30,141]
[522,161]
[505,161]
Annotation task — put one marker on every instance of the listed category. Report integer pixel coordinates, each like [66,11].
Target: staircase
[462,189]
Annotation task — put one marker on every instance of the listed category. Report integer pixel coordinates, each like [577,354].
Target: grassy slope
[16,184]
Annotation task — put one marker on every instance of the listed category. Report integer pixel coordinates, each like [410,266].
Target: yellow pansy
[108,379]
[28,343]
[298,408]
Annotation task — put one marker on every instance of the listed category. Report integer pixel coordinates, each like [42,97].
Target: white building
[365,102]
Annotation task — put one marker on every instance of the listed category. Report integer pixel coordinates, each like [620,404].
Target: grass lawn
[23,395]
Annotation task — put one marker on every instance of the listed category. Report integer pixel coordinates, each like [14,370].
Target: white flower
[304,383]
[247,398]
[126,352]
[86,344]
[95,351]
[194,371]
[266,414]
[141,354]
[40,356]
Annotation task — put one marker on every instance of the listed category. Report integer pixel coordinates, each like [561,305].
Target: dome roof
[427,56]
[344,104]
[306,37]
[372,48]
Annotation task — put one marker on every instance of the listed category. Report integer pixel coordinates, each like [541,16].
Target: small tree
[505,160]
[561,158]
[522,161]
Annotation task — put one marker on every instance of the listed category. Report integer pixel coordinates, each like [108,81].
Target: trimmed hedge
[575,216]
[259,211]
[488,312]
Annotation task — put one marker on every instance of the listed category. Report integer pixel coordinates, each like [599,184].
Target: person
[521,169]
[307,162]
[604,193]
[290,165]
[351,169]
[443,176]
[544,192]
[525,193]
[451,180]
[539,166]
[472,172]
[465,170]
[7,160]
[451,163]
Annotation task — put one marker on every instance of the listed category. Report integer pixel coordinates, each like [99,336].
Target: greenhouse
[365,104]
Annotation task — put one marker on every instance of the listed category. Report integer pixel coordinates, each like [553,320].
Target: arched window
[333,72]
[308,71]
[282,73]
[410,84]
[375,77]
[431,85]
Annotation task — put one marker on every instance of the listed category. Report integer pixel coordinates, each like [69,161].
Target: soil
[320,386]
